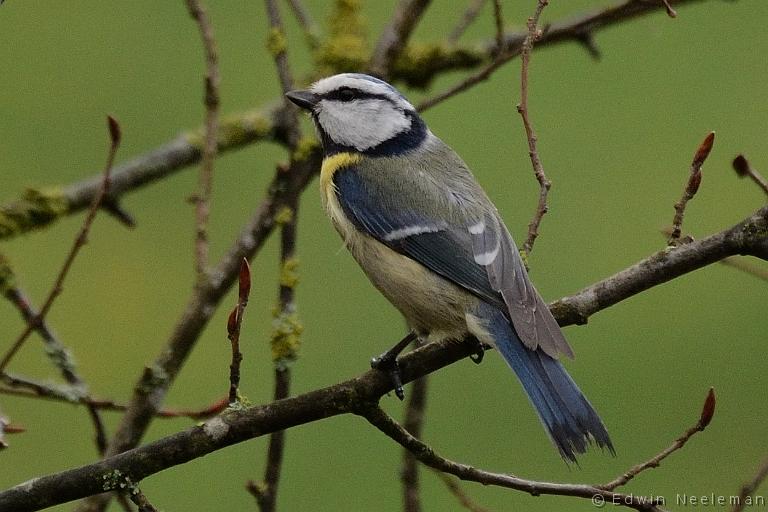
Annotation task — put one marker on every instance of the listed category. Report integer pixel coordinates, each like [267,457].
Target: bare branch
[233,329]
[750,487]
[580,30]
[454,488]
[743,238]
[670,11]
[746,266]
[153,385]
[395,36]
[277,45]
[27,388]
[211,101]
[522,108]
[39,208]
[743,168]
[141,500]
[467,18]
[307,24]
[414,423]
[284,346]
[691,187]
[80,241]
[708,410]
[500,57]
[382,421]
[61,358]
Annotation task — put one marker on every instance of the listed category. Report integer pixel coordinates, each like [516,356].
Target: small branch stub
[743,168]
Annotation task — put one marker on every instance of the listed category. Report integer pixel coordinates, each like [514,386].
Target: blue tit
[429,238]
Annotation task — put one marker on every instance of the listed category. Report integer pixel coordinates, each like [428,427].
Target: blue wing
[444,249]
[464,241]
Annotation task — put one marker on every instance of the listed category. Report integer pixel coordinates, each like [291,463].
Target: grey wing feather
[493,247]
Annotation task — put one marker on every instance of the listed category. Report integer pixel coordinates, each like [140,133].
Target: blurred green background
[616,138]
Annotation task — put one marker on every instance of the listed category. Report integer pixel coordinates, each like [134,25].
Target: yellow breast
[330,166]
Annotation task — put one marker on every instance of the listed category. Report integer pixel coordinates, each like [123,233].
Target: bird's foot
[478,352]
[387,363]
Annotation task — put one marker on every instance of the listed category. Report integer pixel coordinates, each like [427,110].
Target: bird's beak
[304,99]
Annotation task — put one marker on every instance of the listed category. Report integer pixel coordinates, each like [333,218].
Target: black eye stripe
[343,94]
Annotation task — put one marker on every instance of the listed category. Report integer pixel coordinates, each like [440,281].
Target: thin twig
[427,455]
[467,18]
[62,359]
[80,241]
[414,423]
[28,388]
[743,168]
[522,108]
[395,36]
[740,263]
[140,500]
[278,47]
[670,11]
[249,127]
[305,21]
[501,56]
[347,396]
[6,427]
[266,492]
[707,412]
[233,329]
[691,187]
[154,383]
[459,493]
[211,101]
[750,487]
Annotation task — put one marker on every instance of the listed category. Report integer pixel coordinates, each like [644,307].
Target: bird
[430,240]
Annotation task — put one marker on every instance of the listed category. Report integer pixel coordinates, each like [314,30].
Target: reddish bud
[232,323]
[703,151]
[708,411]
[114,130]
[694,183]
[245,280]
[741,165]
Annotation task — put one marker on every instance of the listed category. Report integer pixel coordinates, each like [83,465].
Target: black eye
[346,94]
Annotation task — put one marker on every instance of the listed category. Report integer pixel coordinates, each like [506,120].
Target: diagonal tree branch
[352,396]
[211,101]
[381,420]
[39,208]
[395,36]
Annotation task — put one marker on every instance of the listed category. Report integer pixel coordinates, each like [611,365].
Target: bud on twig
[115,133]
[702,152]
[708,411]
[232,323]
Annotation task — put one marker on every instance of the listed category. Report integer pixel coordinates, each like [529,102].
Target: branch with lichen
[345,49]
[40,207]
[747,237]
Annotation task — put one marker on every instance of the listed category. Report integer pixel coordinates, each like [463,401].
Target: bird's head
[360,113]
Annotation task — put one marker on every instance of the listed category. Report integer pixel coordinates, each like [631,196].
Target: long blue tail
[571,421]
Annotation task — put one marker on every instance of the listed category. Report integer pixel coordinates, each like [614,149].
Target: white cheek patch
[361,124]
